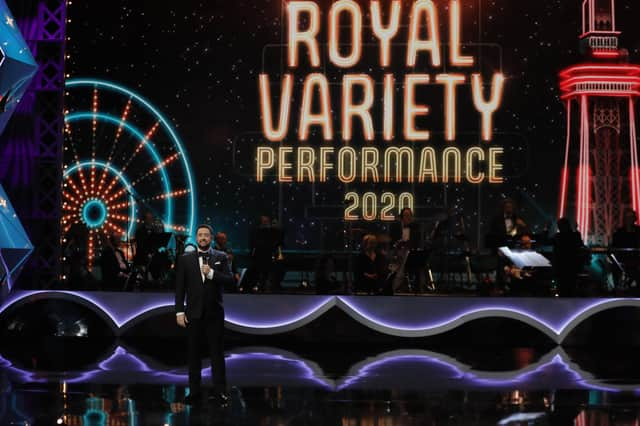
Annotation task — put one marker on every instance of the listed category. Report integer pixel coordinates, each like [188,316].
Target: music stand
[418,258]
[158,240]
[525,259]
[417,261]
[154,242]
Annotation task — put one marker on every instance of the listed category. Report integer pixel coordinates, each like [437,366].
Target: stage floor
[143,381]
[273,386]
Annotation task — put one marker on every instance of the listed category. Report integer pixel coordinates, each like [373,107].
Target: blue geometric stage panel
[17,66]
[15,246]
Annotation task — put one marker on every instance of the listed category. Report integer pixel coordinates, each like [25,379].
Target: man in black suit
[406,231]
[507,227]
[407,236]
[628,236]
[202,276]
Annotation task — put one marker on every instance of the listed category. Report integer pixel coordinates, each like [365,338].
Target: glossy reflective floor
[334,386]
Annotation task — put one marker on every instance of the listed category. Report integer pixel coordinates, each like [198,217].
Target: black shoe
[192,399]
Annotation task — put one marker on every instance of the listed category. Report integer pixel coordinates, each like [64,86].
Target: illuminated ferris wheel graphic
[122,157]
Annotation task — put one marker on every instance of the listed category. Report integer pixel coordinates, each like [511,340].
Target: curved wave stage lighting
[399,369]
[401,317]
[122,156]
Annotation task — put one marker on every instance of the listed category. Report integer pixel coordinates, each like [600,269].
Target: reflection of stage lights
[515,398]
[524,418]
[94,213]
[94,416]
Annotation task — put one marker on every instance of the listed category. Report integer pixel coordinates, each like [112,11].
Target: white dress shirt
[201,262]
[406,233]
[509,224]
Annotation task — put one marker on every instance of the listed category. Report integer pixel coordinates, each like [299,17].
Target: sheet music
[525,258]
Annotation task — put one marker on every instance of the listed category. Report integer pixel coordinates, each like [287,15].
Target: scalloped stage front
[407,318]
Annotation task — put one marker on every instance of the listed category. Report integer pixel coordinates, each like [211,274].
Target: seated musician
[526,242]
[628,236]
[115,269]
[521,282]
[569,257]
[144,233]
[371,268]
[223,246]
[507,227]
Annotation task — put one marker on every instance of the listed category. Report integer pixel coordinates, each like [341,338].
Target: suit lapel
[196,264]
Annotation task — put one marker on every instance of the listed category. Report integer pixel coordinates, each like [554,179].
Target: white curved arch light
[279,314]
[147,144]
[166,124]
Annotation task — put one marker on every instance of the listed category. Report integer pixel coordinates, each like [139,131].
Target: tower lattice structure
[599,96]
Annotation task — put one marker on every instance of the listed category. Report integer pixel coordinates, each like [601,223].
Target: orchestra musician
[407,231]
[568,257]
[143,235]
[627,236]
[450,245]
[407,236]
[265,246]
[526,242]
[222,244]
[450,232]
[371,268]
[522,282]
[506,227]
[115,269]
[626,243]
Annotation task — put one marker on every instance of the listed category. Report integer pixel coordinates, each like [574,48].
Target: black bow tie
[203,254]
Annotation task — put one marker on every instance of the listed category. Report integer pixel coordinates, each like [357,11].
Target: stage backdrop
[328,116]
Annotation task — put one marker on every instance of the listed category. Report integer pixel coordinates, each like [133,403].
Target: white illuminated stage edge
[410,317]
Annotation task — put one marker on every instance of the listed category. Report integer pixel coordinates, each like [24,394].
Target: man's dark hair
[564,225]
[204,225]
[508,200]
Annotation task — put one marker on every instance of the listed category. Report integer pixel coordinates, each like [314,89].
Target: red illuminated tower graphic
[603,173]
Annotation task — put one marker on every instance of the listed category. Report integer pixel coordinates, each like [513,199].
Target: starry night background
[199,62]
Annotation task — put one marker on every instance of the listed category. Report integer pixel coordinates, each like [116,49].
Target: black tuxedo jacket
[497,236]
[415,237]
[201,296]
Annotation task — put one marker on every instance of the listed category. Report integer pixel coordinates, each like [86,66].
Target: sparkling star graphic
[9,20]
